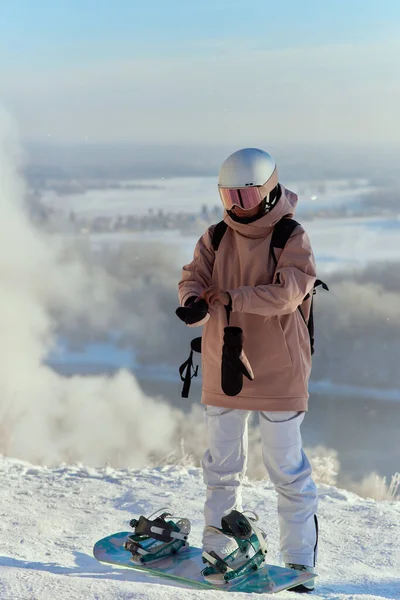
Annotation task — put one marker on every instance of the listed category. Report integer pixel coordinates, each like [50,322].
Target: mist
[133,287]
[45,417]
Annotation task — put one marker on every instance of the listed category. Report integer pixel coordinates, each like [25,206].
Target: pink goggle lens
[245,198]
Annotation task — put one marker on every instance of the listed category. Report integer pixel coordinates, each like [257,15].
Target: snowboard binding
[158,538]
[246,558]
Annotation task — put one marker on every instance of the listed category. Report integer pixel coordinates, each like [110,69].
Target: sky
[217,70]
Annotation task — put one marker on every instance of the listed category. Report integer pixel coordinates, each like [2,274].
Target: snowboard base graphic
[186,567]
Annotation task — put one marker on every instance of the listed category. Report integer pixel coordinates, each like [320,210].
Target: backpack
[280,236]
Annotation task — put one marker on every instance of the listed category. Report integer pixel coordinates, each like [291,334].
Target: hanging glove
[234,362]
[194,314]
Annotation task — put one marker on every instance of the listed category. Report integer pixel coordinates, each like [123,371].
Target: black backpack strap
[318,282]
[310,323]
[281,234]
[310,326]
[186,370]
[218,234]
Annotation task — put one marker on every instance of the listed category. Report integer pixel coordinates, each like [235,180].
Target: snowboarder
[253,329]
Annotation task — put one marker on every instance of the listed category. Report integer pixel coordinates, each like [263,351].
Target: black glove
[234,362]
[194,314]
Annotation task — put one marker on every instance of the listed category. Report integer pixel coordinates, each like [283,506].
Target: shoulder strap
[281,234]
[186,370]
[218,234]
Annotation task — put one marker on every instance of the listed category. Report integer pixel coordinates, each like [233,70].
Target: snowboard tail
[186,567]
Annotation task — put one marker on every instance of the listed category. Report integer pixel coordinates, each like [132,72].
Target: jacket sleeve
[294,279]
[196,276]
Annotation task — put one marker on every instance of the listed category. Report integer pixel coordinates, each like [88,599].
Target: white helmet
[246,178]
[248,167]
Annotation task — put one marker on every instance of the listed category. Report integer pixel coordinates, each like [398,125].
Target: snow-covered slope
[50,519]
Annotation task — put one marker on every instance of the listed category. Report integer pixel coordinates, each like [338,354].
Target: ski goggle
[247,197]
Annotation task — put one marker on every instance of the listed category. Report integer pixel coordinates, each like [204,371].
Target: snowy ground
[338,244]
[189,193]
[50,519]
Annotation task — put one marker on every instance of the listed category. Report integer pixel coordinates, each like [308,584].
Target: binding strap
[159,529]
[216,561]
[237,524]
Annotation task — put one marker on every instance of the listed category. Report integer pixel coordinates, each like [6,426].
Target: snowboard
[186,567]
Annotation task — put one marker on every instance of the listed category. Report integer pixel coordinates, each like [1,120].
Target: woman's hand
[214,295]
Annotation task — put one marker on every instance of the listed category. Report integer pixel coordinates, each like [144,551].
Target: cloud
[237,93]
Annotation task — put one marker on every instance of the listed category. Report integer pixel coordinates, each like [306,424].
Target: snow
[51,517]
[167,194]
[172,194]
[354,241]
[370,239]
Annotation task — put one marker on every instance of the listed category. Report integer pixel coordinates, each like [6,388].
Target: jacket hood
[286,207]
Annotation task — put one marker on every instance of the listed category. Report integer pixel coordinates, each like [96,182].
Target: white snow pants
[224,465]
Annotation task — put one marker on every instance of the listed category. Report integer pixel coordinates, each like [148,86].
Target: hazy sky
[174,71]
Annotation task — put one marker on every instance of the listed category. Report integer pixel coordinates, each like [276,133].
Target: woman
[241,282]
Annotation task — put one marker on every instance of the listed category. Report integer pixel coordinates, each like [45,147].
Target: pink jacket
[264,305]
